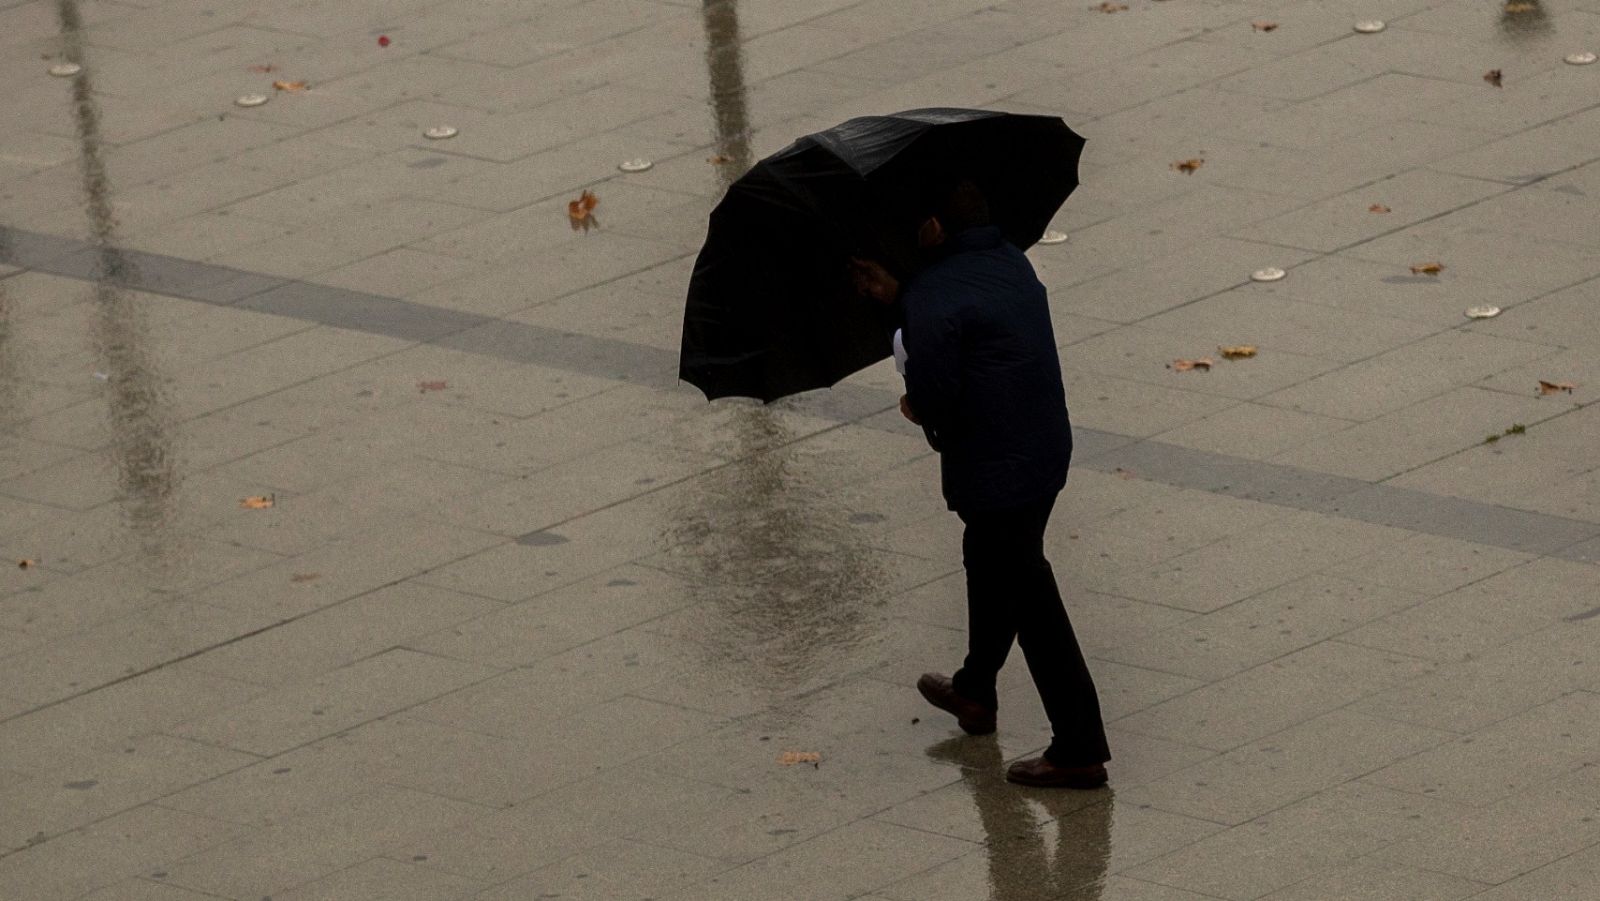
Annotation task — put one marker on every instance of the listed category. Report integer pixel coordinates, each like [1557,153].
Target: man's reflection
[1021,867]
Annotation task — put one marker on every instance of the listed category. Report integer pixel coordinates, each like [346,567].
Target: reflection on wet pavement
[1525,19]
[786,589]
[729,99]
[1022,865]
[139,413]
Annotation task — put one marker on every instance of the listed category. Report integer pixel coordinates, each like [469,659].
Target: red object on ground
[383,40]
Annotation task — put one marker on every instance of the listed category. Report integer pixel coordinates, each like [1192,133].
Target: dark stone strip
[1285,486]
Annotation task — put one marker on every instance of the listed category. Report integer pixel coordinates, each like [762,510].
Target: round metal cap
[251,100]
[1581,59]
[1370,26]
[635,165]
[1269,274]
[1482,312]
[65,70]
[440,132]
[1051,236]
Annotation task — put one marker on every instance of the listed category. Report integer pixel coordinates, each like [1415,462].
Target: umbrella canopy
[771,311]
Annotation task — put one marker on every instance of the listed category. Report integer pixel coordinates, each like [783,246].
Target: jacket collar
[982,237]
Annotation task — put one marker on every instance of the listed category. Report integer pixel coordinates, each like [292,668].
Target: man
[984,381]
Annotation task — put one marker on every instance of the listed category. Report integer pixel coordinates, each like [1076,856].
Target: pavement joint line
[654,367]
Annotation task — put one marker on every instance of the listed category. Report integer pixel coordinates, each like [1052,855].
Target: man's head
[956,208]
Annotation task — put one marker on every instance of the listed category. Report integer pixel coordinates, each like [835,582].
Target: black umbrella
[771,311]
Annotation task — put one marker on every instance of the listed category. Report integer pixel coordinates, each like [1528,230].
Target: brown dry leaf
[1187,167]
[1237,351]
[1522,6]
[1427,269]
[790,758]
[1109,7]
[1203,364]
[293,87]
[1264,26]
[27,562]
[269,67]
[1493,77]
[305,577]
[258,502]
[1379,208]
[425,387]
[1554,387]
[580,212]
[1124,474]
[719,159]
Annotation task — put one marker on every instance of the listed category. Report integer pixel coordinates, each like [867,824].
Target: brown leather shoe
[1041,773]
[972,717]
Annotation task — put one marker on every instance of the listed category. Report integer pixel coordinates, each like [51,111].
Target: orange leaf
[1554,387]
[425,387]
[293,87]
[790,758]
[1187,167]
[719,159]
[269,67]
[1427,269]
[1378,208]
[258,502]
[1203,364]
[1521,6]
[1493,77]
[26,562]
[1237,351]
[1264,26]
[581,212]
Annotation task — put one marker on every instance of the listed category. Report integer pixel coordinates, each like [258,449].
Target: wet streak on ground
[139,414]
[729,98]
[1018,822]
[1521,20]
[784,589]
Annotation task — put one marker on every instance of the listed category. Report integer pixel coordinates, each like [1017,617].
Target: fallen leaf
[1124,474]
[1203,364]
[26,562]
[1427,269]
[790,758]
[1522,6]
[1187,167]
[269,67]
[383,40]
[1264,26]
[1109,7]
[1493,77]
[719,159]
[293,87]
[1379,208]
[580,212]
[425,387]
[258,502]
[1237,351]
[305,577]
[1554,387]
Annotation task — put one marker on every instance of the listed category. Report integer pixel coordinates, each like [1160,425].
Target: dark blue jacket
[983,375]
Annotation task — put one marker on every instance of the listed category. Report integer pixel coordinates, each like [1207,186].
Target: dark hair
[962,206]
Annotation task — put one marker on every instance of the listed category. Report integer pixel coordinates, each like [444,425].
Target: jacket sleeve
[933,368]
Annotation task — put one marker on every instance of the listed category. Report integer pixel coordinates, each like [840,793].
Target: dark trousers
[1012,596]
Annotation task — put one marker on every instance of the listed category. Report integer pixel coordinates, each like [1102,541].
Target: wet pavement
[527,618]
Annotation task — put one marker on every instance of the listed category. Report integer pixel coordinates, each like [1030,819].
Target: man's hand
[905,410]
[872,281]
